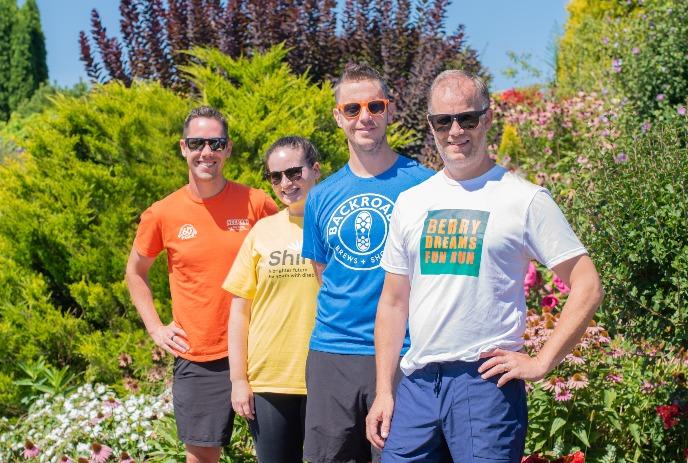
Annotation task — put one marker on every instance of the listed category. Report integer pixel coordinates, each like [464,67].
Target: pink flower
[111,402]
[621,158]
[578,381]
[549,301]
[645,127]
[100,453]
[575,358]
[647,387]
[681,110]
[614,378]
[65,459]
[125,458]
[563,395]
[635,50]
[660,97]
[561,286]
[30,450]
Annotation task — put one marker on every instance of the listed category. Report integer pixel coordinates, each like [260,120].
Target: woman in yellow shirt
[273,310]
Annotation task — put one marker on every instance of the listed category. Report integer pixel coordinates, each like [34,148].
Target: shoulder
[170,202]
[519,187]
[330,183]
[413,168]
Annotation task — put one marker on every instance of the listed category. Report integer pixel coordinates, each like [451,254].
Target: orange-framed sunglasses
[353,109]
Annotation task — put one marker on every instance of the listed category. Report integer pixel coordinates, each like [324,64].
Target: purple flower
[561,286]
[660,97]
[605,40]
[635,50]
[615,378]
[616,65]
[563,395]
[681,110]
[645,127]
[621,158]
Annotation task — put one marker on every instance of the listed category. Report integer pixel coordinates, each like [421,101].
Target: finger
[490,364]
[384,427]
[372,423]
[494,371]
[178,343]
[252,406]
[505,378]
[167,348]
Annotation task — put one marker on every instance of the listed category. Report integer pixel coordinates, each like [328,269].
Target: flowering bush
[94,425]
[610,398]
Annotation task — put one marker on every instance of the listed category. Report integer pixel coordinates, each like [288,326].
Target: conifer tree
[28,57]
[7,15]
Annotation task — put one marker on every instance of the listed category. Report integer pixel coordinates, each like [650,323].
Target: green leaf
[556,425]
[583,436]
[635,432]
[609,398]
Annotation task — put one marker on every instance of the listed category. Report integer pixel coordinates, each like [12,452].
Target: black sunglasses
[215,144]
[292,174]
[468,120]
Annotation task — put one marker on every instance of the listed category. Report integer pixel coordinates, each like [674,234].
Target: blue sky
[493,27]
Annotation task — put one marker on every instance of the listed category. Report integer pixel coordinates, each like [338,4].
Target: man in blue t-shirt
[345,227]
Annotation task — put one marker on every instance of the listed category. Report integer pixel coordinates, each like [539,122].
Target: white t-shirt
[465,247]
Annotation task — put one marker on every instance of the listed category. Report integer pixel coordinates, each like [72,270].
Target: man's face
[365,132]
[205,165]
[464,149]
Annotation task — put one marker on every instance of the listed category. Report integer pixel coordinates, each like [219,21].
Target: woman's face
[291,184]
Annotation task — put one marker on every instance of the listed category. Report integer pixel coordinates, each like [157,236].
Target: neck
[297,209]
[460,173]
[205,190]
[370,164]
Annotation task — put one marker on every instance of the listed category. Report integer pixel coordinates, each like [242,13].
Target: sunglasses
[215,144]
[292,174]
[468,120]
[374,107]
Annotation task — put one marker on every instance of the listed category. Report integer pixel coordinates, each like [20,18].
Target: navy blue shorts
[446,411]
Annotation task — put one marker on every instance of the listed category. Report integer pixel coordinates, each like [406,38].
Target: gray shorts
[341,390]
[201,394]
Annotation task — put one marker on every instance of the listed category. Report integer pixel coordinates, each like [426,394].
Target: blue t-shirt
[345,227]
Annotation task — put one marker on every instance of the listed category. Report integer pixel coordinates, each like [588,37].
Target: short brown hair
[207,112]
[359,72]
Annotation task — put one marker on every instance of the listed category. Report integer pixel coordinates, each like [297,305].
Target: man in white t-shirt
[455,261]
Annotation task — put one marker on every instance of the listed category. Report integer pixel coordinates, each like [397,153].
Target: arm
[390,330]
[586,295]
[318,268]
[169,337]
[242,395]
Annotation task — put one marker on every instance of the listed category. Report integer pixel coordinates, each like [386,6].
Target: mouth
[205,163]
[458,144]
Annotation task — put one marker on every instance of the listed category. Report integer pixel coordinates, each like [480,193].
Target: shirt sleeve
[314,244]
[548,236]
[395,258]
[242,278]
[149,240]
[269,207]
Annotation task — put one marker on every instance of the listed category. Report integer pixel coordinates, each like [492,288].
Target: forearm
[390,330]
[239,318]
[583,300]
[318,268]
[142,298]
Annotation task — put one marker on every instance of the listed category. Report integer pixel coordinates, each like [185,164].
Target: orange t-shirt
[201,237]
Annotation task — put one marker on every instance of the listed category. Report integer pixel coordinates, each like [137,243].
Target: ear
[391,111]
[488,119]
[228,150]
[316,170]
[337,117]
[182,147]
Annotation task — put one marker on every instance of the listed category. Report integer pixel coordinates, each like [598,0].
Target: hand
[171,338]
[379,419]
[242,399]
[511,365]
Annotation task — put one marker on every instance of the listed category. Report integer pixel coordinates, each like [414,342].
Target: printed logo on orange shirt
[186,232]
[238,224]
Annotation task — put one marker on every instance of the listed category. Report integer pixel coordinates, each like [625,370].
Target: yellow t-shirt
[269,270]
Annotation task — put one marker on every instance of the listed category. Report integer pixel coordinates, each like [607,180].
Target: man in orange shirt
[201,226]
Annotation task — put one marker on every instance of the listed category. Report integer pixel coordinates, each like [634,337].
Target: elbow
[596,293]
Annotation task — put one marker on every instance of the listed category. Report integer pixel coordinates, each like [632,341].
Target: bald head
[454,81]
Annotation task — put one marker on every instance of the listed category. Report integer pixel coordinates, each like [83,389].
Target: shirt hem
[205,358]
[279,390]
[566,256]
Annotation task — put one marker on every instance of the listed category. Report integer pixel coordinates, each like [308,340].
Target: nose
[206,149]
[455,128]
[284,181]
[364,114]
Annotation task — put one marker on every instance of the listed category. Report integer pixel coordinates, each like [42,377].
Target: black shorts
[341,390]
[201,394]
